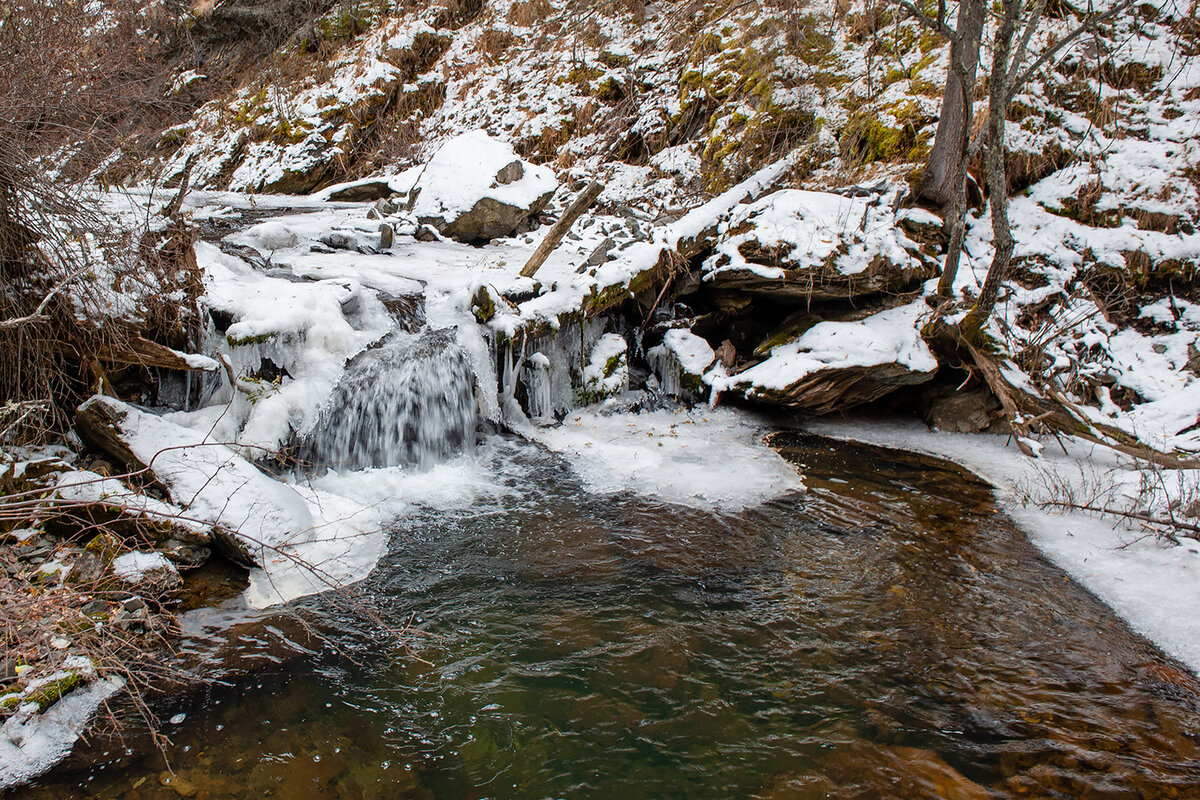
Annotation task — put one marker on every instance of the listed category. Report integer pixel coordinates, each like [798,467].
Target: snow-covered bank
[1153,586]
[31,743]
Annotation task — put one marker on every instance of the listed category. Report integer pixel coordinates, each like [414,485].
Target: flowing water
[409,401]
[885,634]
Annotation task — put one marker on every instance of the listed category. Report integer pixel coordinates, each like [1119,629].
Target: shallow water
[885,634]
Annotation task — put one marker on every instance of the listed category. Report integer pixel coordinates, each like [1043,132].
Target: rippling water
[886,634]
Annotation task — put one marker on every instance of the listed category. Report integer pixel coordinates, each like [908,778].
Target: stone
[186,555]
[510,173]
[600,254]
[387,236]
[362,192]
[801,246]
[963,412]
[475,189]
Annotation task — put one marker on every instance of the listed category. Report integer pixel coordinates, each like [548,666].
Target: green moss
[105,545]
[868,137]
[49,694]
[614,60]
[245,341]
[613,364]
[482,305]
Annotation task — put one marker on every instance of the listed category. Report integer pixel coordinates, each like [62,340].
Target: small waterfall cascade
[408,401]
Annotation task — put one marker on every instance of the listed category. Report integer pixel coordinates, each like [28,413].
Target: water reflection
[885,634]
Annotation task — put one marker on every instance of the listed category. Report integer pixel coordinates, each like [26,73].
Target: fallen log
[581,203]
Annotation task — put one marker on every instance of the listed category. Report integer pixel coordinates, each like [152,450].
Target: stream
[887,633]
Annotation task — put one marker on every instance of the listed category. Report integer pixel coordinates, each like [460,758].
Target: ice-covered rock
[680,362]
[816,246]
[475,188]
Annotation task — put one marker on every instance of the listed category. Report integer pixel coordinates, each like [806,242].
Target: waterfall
[408,401]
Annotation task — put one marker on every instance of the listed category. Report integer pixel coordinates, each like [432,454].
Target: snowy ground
[1153,586]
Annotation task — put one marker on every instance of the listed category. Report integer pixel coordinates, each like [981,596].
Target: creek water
[885,634]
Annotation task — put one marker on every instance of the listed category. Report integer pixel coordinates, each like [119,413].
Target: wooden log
[581,203]
[143,352]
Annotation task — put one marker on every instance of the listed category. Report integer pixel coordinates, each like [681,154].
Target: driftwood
[581,203]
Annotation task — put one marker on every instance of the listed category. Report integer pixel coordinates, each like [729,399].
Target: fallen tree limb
[1054,413]
[581,203]
[1120,512]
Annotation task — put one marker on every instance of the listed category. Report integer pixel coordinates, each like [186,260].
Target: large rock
[838,365]
[475,189]
[816,246]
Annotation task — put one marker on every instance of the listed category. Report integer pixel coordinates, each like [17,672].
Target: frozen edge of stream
[1154,587]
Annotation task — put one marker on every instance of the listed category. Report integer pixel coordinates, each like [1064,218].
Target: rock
[963,412]
[340,241]
[151,572]
[184,554]
[246,253]
[607,370]
[600,253]
[837,365]
[362,192]
[807,246]
[408,310]
[680,363]
[475,189]
[387,236]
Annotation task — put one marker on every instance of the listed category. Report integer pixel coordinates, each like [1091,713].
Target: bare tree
[944,178]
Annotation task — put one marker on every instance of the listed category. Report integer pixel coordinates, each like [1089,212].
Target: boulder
[963,412]
[806,246]
[833,366]
[475,189]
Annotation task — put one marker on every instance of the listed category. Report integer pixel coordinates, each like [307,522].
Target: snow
[889,337]
[305,542]
[816,228]
[711,459]
[1153,586]
[463,172]
[31,743]
[136,566]
[693,352]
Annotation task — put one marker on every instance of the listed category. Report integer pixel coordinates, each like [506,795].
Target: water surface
[886,634]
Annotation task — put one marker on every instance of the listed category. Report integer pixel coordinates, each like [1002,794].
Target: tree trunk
[997,174]
[938,182]
[956,208]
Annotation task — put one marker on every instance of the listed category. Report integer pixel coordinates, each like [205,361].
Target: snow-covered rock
[680,362]
[475,188]
[816,246]
[838,365]
[153,569]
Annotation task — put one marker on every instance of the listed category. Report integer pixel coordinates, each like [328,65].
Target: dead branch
[581,203]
